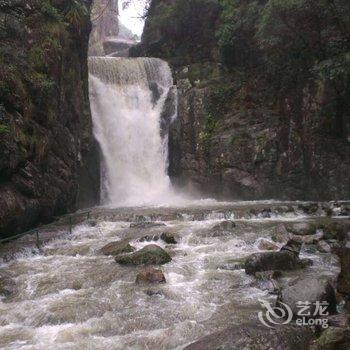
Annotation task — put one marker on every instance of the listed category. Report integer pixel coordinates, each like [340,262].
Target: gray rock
[341,320]
[324,247]
[285,259]
[226,225]
[343,284]
[282,260]
[302,228]
[116,248]
[146,224]
[309,239]
[150,255]
[308,289]
[292,246]
[281,234]
[265,244]
[255,337]
[149,238]
[7,285]
[168,238]
[92,223]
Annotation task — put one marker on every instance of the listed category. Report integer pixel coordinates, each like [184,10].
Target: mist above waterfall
[127,99]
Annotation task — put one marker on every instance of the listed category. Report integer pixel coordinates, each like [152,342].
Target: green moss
[4,129]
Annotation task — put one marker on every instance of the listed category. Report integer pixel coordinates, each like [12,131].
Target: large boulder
[333,338]
[334,229]
[285,259]
[257,337]
[281,234]
[302,228]
[116,248]
[309,289]
[150,275]
[292,246]
[282,260]
[343,284]
[150,255]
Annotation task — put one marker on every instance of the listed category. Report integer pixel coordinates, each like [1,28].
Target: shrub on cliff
[291,44]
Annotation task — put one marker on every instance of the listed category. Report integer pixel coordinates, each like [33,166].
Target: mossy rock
[333,338]
[150,255]
[116,248]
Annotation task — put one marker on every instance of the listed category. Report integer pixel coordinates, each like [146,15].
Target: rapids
[69,296]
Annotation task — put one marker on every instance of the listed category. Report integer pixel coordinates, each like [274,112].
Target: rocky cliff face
[243,131]
[45,123]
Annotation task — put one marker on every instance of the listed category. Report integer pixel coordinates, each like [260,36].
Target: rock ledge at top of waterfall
[133,71]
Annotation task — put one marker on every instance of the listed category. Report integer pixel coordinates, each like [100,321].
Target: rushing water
[69,296]
[127,99]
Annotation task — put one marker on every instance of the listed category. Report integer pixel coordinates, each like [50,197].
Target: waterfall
[128,97]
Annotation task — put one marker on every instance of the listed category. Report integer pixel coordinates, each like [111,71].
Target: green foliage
[210,126]
[291,37]
[238,25]
[76,14]
[232,141]
[31,51]
[3,129]
[191,22]
[219,98]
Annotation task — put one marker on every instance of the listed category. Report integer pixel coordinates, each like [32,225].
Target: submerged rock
[265,244]
[252,336]
[149,238]
[285,259]
[150,255]
[146,224]
[150,275]
[308,289]
[226,225]
[152,293]
[92,223]
[168,238]
[116,248]
[7,285]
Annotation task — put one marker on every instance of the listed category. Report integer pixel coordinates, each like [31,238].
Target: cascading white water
[127,96]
